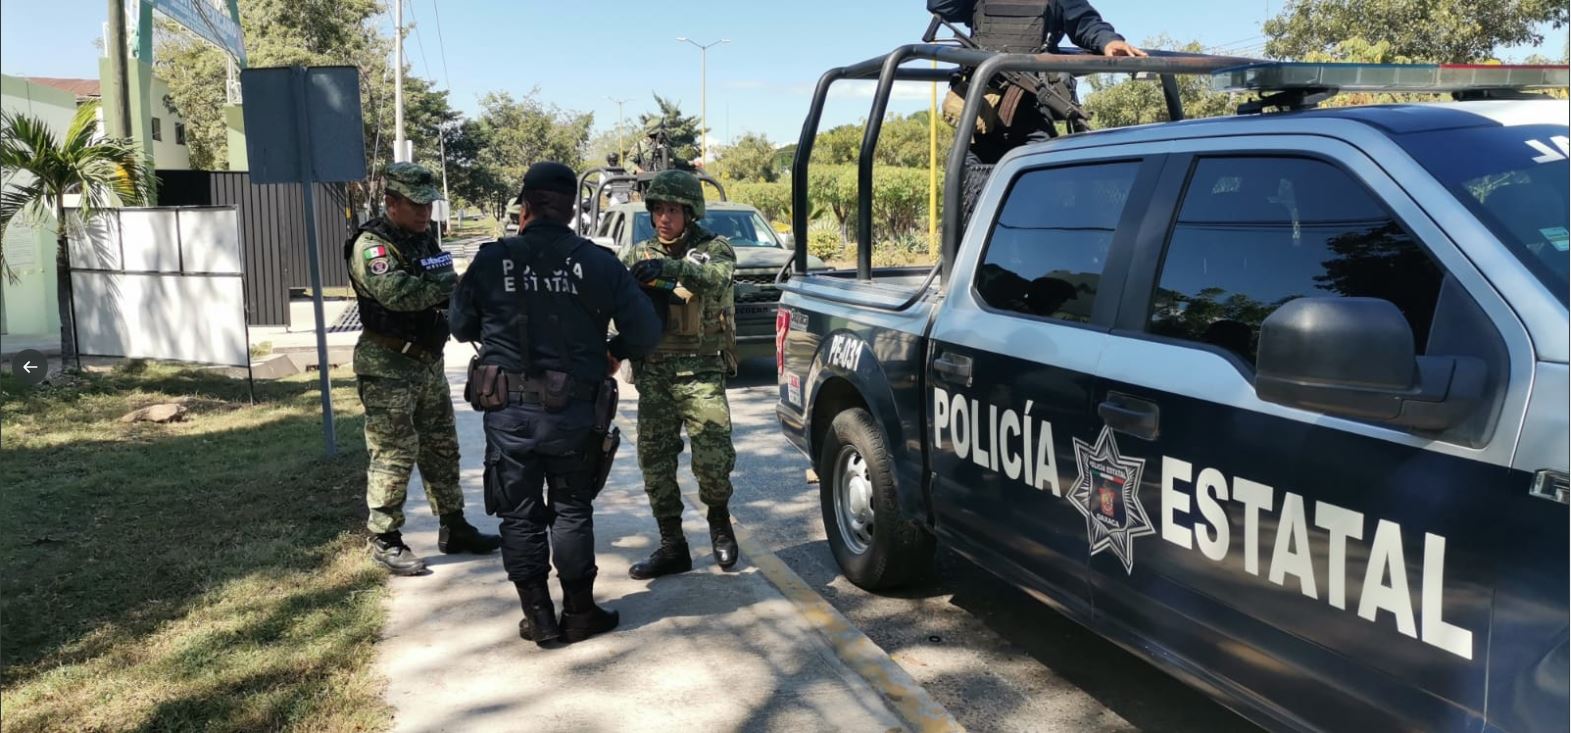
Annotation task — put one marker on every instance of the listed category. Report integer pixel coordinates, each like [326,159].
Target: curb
[902,694]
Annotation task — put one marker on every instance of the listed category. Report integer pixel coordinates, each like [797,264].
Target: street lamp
[621,132]
[703,89]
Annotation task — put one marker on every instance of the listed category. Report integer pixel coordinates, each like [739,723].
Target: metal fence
[272,233]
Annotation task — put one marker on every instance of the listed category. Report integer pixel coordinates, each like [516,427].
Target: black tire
[895,550]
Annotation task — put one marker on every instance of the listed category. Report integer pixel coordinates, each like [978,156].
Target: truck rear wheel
[876,547]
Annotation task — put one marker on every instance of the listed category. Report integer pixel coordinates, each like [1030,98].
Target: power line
[1239,42]
[415,22]
[441,47]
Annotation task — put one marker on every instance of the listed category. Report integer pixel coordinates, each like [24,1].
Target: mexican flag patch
[372,253]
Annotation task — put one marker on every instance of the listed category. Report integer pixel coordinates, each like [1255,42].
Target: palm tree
[41,170]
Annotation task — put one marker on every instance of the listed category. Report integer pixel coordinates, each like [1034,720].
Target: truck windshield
[1513,178]
[741,228]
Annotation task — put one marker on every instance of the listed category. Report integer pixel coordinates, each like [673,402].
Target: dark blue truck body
[1091,430]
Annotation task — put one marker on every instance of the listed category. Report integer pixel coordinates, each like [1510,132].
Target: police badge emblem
[1107,492]
[379,266]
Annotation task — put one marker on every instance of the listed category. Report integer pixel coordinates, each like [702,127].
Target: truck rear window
[1513,178]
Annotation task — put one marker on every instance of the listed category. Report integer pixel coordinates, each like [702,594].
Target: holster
[604,438]
[556,390]
[487,386]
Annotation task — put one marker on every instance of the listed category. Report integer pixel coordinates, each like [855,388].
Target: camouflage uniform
[408,404]
[683,381]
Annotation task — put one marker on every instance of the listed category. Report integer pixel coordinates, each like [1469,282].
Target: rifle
[1047,92]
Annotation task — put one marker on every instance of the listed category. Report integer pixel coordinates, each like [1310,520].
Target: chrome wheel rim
[853,500]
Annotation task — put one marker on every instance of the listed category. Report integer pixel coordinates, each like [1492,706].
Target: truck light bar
[1437,78]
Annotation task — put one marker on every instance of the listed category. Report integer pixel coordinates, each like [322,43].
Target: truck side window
[1046,252]
[1050,244]
[1255,233]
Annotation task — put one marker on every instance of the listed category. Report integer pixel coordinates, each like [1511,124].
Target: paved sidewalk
[701,651]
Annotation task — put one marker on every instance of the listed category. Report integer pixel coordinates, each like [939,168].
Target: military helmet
[677,187]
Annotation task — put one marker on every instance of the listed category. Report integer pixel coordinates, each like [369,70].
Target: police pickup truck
[1277,401]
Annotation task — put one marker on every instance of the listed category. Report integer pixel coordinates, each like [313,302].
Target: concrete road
[997,659]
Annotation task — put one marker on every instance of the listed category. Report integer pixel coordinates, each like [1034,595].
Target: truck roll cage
[983,67]
[607,178]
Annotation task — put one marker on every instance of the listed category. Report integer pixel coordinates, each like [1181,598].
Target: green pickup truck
[760,255]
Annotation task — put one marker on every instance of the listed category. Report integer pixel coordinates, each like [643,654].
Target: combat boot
[458,535]
[581,618]
[671,556]
[539,622]
[389,551]
[721,537]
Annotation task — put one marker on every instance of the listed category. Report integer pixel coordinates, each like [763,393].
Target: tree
[839,145]
[904,141]
[516,133]
[42,169]
[1119,101]
[750,158]
[304,32]
[680,133]
[773,200]
[1434,31]
[470,180]
[619,140]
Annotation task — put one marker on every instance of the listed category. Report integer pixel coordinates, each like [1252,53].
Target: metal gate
[272,233]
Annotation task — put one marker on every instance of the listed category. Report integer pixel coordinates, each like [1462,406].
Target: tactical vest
[1010,27]
[700,325]
[416,255]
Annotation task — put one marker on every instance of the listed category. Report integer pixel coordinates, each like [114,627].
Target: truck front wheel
[876,547]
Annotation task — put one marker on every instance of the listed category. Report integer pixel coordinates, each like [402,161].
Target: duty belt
[407,348]
[527,391]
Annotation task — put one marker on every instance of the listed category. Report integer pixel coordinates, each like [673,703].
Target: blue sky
[581,54]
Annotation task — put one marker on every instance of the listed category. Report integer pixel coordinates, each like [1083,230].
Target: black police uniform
[1026,26]
[571,289]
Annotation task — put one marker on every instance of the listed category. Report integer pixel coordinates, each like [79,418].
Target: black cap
[550,176]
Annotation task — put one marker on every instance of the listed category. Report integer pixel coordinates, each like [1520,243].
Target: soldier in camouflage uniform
[688,271]
[402,280]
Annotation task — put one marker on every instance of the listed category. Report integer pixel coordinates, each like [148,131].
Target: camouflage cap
[413,182]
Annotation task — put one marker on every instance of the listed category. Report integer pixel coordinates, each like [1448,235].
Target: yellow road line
[904,696]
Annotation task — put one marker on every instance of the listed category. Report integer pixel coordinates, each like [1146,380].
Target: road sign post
[304,126]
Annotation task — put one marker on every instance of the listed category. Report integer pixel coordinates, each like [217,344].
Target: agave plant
[41,169]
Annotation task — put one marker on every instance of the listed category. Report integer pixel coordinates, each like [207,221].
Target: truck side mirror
[1354,357]
[787,240]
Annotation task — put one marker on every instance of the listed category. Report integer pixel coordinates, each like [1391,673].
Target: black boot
[458,535]
[671,556]
[581,618]
[389,551]
[539,622]
[721,537]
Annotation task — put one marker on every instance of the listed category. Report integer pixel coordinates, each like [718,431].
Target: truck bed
[890,289]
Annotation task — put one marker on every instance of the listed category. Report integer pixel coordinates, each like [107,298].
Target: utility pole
[621,130]
[703,89]
[399,154]
[118,66]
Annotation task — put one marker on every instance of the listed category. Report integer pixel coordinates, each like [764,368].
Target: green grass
[482,227]
[204,575]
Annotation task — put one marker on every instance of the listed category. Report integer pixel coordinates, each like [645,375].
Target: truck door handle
[954,367]
[1131,416]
